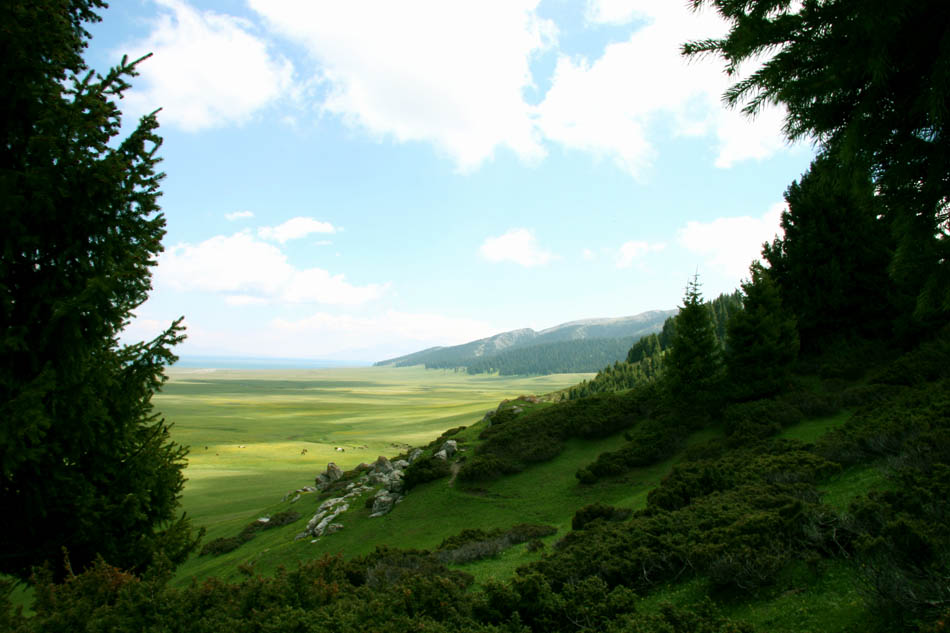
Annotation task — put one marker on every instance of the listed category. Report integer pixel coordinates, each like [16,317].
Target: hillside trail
[454,469]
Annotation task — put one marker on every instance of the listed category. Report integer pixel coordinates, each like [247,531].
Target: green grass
[386,409]
[810,430]
[248,431]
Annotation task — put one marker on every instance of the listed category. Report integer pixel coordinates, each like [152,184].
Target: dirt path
[454,469]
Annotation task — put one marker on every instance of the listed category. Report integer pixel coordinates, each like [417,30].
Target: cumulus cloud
[208,69]
[517,245]
[248,271]
[731,244]
[633,250]
[295,228]
[610,106]
[387,326]
[239,215]
[447,73]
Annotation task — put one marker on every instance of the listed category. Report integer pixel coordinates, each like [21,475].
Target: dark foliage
[869,81]
[649,442]
[423,470]
[762,340]
[597,512]
[539,435]
[692,370]
[758,419]
[85,462]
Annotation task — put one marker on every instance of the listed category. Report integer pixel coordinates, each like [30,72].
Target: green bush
[649,442]
[423,470]
[759,419]
[597,511]
[486,468]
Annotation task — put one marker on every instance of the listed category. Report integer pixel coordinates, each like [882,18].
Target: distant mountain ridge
[476,355]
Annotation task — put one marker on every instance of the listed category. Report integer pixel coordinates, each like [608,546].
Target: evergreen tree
[85,463]
[870,81]
[693,366]
[831,264]
[763,341]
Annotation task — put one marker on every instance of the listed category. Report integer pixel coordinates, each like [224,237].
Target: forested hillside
[578,346]
[772,461]
[644,360]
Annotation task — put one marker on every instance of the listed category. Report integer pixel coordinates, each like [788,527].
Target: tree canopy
[693,367]
[85,462]
[870,81]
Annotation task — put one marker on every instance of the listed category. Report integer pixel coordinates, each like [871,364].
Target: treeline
[563,357]
[644,360]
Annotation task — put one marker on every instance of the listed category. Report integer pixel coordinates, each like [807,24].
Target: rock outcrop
[324,479]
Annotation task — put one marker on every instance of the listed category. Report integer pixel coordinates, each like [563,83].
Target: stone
[333,528]
[295,499]
[334,472]
[383,504]
[450,447]
[415,454]
[382,465]
[400,464]
[394,482]
[517,410]
[441,455]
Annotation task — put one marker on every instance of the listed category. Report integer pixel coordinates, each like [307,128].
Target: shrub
[649,442]
[759,419]
[486,468]
[597,511]
[423,470]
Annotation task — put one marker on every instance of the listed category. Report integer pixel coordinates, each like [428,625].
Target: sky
[358,180]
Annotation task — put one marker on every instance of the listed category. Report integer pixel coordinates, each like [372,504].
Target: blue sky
[356,180]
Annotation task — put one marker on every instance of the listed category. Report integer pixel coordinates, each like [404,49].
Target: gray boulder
[450,447]
[393,483]
[384,503]
[415,454]
[382,465]
[441,455]
[400,464]
[334,472]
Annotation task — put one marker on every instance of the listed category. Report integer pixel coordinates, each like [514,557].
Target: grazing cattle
[303,452]
[340,449]
[242,446]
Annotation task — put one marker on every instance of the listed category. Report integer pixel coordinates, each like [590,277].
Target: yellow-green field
[255,434]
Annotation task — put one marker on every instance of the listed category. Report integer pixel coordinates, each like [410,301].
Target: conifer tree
[831,264]
[86,465]
[870,82]
[693,366]
[762,340]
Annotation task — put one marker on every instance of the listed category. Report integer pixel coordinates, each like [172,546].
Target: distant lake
[238,362]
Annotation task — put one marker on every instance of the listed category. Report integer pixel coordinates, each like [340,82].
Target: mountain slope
[478,352]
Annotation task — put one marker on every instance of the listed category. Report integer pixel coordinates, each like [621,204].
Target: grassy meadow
[256,434]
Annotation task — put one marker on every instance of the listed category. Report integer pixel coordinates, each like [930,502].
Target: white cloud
[245,300]
[239,215]
[610,11]
[208,69]
[388,326]
[447,73]
[517,245]
[294,228]
[610,107]
[632,250]
[588,254]
[731,244]
[250,271]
